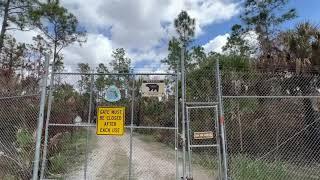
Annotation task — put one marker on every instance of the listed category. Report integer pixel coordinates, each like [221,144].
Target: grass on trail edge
[71,153]
[245,168]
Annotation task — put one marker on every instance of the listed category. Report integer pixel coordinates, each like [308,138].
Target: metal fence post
[177,125]
[43,87]
[183,112]
[222,125]
[88,129]
[189,143]
[131,126]
[46,134]
[218,142]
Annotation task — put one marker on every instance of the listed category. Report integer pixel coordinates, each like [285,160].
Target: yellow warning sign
[110,121]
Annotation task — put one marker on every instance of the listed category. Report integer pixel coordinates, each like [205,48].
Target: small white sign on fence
[203,135]
[153,88]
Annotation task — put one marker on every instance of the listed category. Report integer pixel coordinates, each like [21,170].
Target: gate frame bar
[222,123]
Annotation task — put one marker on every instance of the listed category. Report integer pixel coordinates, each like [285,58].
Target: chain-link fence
[19,107]
[272,125]
[147,150]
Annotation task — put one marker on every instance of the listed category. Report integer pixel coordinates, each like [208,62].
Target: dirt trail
[151,160]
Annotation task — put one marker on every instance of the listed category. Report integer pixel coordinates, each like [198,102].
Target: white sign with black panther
[153,88]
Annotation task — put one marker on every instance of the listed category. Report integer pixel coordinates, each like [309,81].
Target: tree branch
[18,7]
[19,29]
[46,33]
[61,49]
[15,12]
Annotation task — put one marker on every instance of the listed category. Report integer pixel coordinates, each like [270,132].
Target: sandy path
[151,160]
[99,158]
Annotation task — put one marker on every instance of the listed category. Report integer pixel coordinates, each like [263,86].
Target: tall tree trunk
[4,24]
[54,56]
[10,65]
[39,63]
[10,69]
[55,67]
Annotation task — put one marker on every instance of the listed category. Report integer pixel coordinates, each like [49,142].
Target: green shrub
[24,138]
[71,152]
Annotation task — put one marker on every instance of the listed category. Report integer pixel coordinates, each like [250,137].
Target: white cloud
[208,12]
[216,43]
[153,68]
[219,41]
[24,36]
[97,49]
[205,13]
[139,24]
[252,38]
[153,55]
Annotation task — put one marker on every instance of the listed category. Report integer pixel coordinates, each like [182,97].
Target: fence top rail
[22,96]
[270,97]
[94,125]
[202,107]
[289,73]
[201,103]
[115,74]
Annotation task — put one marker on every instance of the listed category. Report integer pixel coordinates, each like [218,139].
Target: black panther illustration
[153,87]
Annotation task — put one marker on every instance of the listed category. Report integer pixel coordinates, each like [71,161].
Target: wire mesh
[19,106]
[16,85]
[202,120]
[201,85]
[18,117]
[92,153]
[66,152]
[203,153]
[153,154]
[272,124]
[154,136]
[86,154]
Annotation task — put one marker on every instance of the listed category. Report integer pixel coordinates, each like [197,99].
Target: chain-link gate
[203,141]
[149,149]
[206,149]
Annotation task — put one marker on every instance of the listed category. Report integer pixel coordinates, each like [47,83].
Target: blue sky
[306,9]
